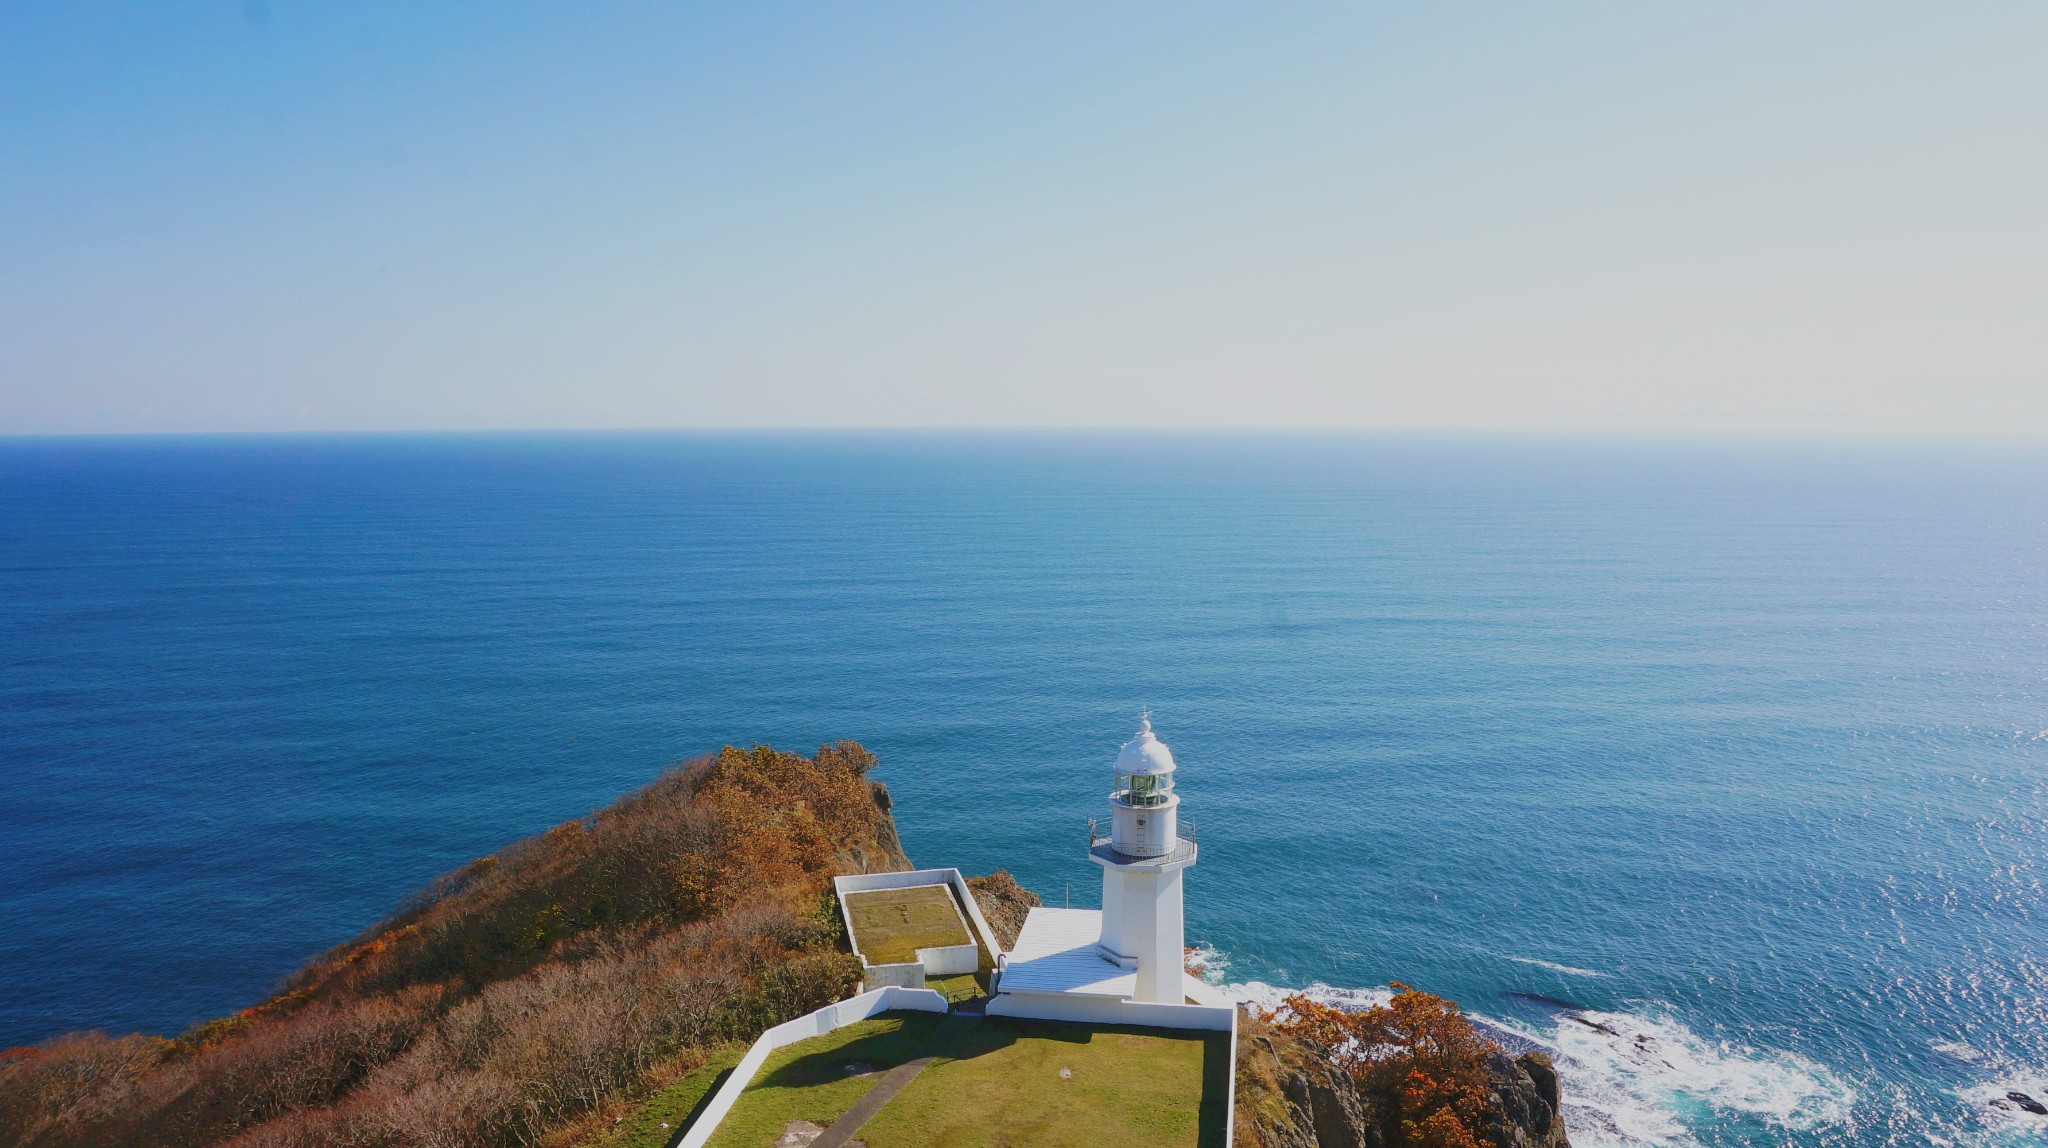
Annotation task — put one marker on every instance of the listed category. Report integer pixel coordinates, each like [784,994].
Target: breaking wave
[1637,1078]
[1269,996]
[1554,967]
[1992,1097]
[1214,963]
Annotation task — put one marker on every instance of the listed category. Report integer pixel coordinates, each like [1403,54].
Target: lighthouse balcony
[1102,846]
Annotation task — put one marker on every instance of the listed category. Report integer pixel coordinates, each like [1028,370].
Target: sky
[1728,218]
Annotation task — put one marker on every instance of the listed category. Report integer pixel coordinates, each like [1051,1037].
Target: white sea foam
[1554,967]
[1989,1100]
[1215,963]
[1632,1078]
[1957,1050]
[1269,996]
[2005,1123]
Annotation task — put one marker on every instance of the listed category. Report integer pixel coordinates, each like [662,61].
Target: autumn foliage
[1417,1050]
[519,995]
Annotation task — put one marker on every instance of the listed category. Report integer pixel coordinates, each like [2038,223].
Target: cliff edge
[1293,1093]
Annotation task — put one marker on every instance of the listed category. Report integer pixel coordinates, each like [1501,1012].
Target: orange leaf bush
[1417,1049]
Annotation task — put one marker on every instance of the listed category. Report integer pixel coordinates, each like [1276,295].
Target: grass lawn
[667,1114]
[890,925]
[996,1084]
[965,987]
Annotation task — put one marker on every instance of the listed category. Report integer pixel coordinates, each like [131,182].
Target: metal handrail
[1101,830]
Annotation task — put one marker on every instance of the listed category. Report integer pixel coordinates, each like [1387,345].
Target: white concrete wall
[862,882]
[1083,1009]
[950,960]
[1162,962]
[908,975]
[1116,934]
[1145,830]
[833,1016]
[1230,1102]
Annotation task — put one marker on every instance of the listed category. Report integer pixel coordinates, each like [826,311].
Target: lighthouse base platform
[1058,971]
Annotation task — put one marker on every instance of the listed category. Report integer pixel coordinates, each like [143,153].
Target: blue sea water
[1718,769]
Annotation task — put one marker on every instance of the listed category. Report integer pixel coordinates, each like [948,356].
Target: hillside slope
[521,998]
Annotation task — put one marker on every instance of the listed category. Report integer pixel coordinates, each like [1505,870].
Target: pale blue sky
[1748,218]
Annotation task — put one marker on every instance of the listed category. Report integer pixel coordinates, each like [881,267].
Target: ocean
[1718,769]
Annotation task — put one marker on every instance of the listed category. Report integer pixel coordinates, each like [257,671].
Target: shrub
[1417,1050]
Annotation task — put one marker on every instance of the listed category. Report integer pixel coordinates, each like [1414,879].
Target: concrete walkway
[865,1108]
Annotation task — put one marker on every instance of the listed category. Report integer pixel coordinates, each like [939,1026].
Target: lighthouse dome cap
[1145,754]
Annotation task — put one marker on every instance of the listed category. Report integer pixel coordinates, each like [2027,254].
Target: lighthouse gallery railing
[1099,830]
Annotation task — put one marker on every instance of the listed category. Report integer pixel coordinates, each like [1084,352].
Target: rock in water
[2028,1103]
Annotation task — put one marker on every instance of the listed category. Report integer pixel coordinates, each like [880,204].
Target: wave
[1269,996]
[1957,1050]
[1642,1078]
[1214,962]
[1637,1078]
[1554,967]
[1990,1098]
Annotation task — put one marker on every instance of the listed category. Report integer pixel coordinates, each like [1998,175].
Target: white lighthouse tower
[1142,856]
[1119,964]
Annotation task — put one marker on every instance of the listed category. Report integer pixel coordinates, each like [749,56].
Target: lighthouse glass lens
[1141,788]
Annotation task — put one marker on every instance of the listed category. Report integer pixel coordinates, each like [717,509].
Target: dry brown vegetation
[527,991]
[1003,903]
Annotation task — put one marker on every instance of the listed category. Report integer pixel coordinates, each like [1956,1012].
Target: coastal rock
[880,850]
[1544,1075]
[2028,1103]
[1331,1110]
[1290,1095]
[1525,1092]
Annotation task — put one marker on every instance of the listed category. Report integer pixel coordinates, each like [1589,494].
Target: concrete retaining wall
[817,1023]
[909,975]
[862,882]
[867,1004]
[1110,1010]
[950,960]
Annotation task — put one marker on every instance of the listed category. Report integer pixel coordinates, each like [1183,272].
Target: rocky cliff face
[878,850]
[1003,903]
[1290,1095]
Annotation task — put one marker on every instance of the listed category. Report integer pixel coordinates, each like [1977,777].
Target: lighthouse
[1142,856]
[1122,963]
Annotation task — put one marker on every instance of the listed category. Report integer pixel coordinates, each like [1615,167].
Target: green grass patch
[996,1082]
[890,925]
[675,1106]
[965,987]
[809,1079]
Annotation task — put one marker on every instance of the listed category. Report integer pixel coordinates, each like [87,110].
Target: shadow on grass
[963,1038]
[1213,1127]
[917,1034]
[689,1120]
